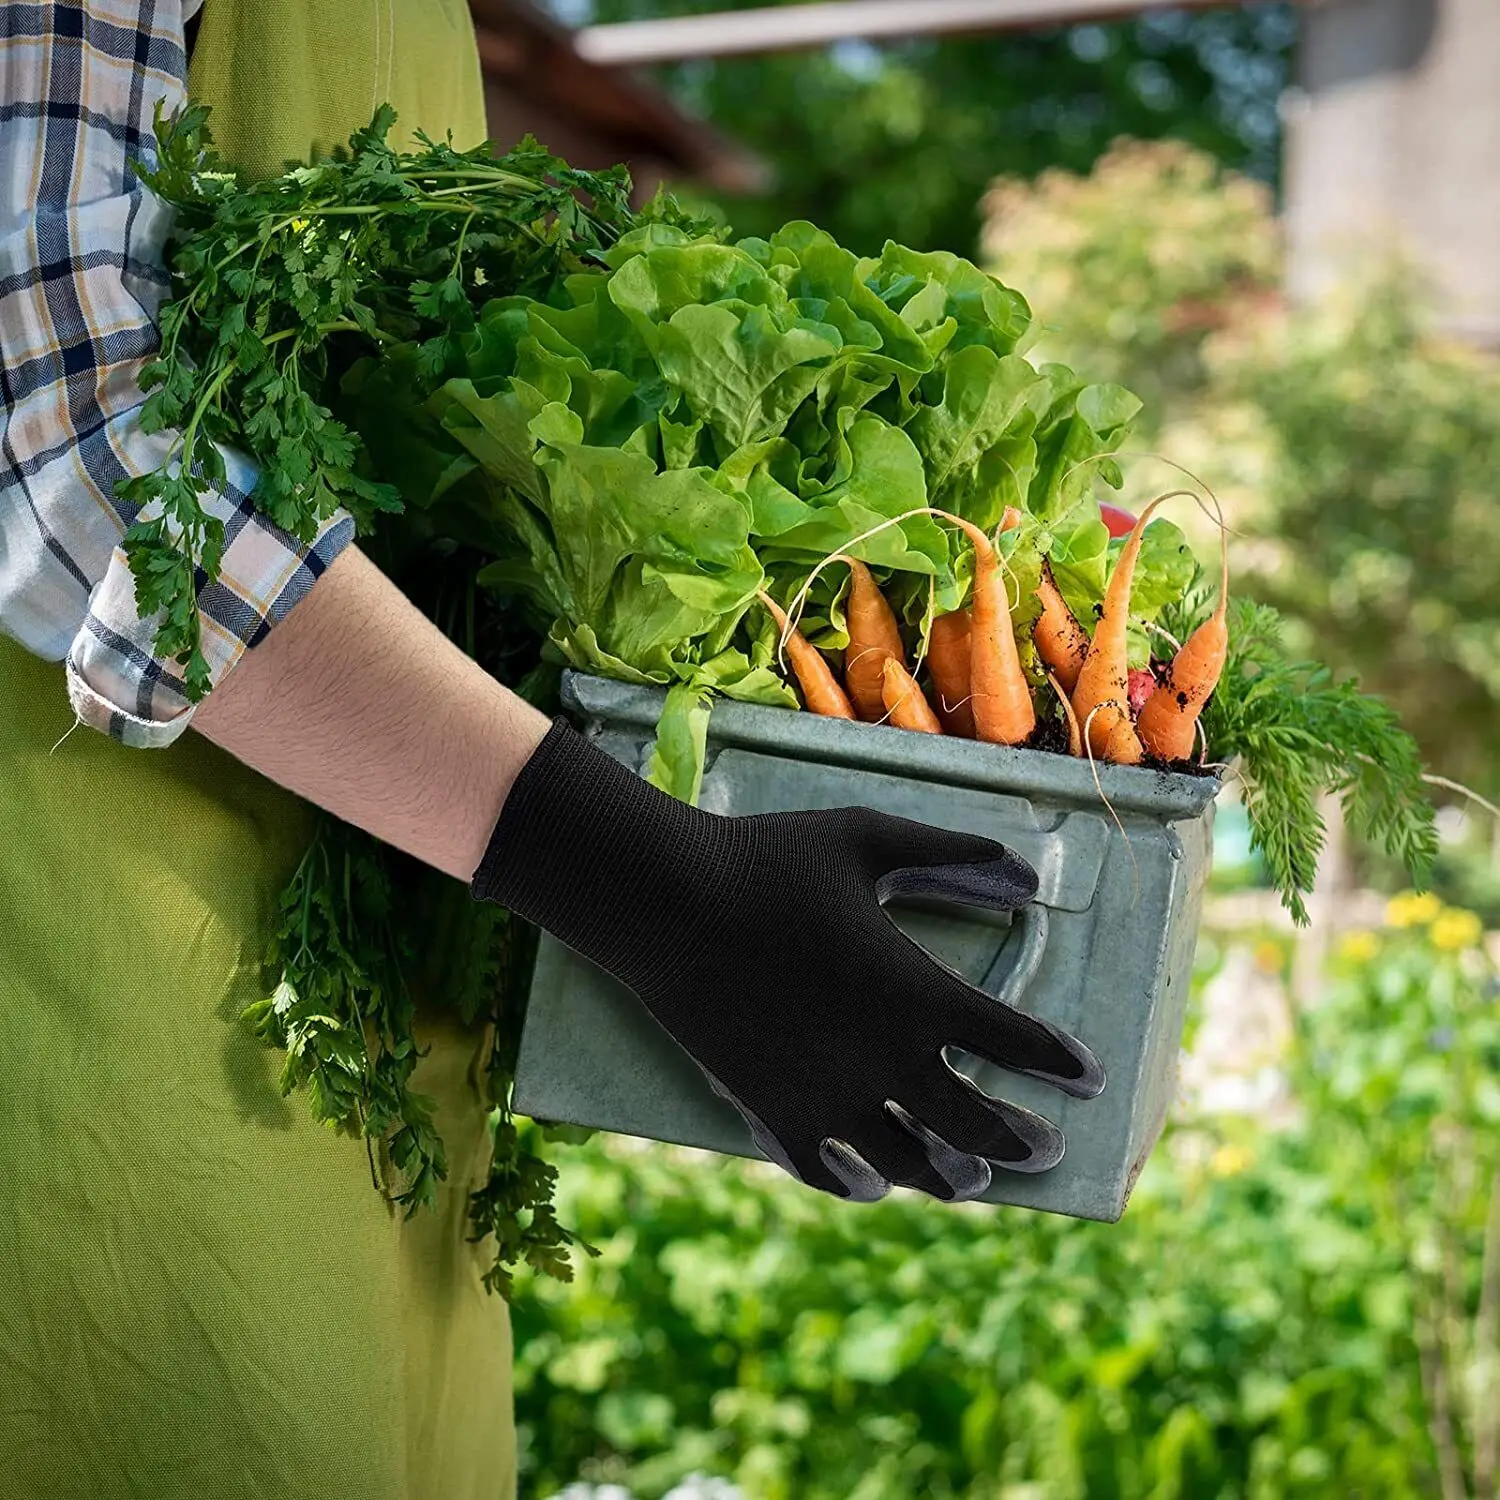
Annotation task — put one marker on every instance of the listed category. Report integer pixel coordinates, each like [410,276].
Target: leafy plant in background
[1297,1313]
[1140,292]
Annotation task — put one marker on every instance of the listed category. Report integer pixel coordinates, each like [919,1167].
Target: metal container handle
[1020,954]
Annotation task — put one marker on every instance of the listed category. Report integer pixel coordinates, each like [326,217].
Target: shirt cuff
[116,681]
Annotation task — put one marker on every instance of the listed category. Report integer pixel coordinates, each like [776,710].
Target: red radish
[1118,521]
[1142,685]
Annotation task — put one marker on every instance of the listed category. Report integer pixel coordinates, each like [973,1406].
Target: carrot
[1101,696]
[948,661]
[1000,695]
[905,703]
[821,692]
[1168,722]
[873,636]
[1061,642]
[1075,738]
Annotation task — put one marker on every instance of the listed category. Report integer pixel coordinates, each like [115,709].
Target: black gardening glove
[761,944]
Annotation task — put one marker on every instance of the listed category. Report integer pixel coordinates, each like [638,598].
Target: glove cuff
[588,850]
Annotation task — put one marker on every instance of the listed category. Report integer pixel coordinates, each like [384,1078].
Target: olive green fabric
[328,65]
[201,1292]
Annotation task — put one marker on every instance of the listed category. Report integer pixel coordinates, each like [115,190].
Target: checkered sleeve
[81,280]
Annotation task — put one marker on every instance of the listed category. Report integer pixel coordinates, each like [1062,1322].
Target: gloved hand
[761,945]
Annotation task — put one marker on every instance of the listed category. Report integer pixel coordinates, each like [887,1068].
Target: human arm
[81,278]
[359,703]
[760,944]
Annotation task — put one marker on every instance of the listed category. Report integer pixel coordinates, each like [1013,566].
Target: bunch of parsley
[281,286]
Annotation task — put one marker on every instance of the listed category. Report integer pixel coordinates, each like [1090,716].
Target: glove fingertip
[1087,1083]
[862,1183]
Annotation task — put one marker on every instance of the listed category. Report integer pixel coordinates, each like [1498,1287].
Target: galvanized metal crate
[1106,950]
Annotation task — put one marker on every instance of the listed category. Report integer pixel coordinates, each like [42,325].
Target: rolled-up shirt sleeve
[82,278]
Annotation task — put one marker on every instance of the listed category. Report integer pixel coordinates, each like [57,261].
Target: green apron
[201,1293]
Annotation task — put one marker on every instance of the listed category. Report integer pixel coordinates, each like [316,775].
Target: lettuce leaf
[649,446]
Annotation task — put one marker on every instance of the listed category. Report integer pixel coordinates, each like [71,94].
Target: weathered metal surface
[1107,951]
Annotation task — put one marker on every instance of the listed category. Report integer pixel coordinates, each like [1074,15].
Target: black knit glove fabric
[762,946]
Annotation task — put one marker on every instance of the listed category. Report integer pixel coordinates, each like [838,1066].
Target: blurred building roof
[816,23]
[592,113]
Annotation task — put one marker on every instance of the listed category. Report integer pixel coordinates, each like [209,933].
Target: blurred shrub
[1309,1312]
[1134,265]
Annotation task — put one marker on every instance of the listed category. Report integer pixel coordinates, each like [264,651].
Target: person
[199,1291]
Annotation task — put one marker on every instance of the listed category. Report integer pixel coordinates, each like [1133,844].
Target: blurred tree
[900,141]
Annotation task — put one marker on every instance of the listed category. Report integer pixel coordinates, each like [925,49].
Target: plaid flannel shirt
[81,279]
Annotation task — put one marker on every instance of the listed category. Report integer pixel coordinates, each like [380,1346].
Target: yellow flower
[1359,947]
[1270,956]
[1456,929]
[298,225]
[1412,910]
[1228,1161]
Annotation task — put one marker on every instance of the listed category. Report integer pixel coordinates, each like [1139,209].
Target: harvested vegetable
[999,694]
[1168,721]
[873,637]
[1101,697]
[906,705]
[821,693]
[948,663]
[1061,642]
[1142,683]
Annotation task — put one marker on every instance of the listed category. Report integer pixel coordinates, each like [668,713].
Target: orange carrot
[948,661]
[906,705]
[821,692]
[1101,696]
[1000,695]
[1168,722]
[1061,642]
[873,636]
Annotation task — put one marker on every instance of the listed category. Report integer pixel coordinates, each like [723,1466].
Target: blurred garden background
[1303,1299]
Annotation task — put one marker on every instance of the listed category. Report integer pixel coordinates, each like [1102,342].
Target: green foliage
[697,421]
[1294,735]
[345,1012]
[901,142]
[273,282]
[1285,1312]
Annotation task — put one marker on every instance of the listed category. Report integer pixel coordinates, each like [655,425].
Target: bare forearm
[361,705]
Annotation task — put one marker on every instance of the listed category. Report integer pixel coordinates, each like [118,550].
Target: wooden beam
[788,28]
